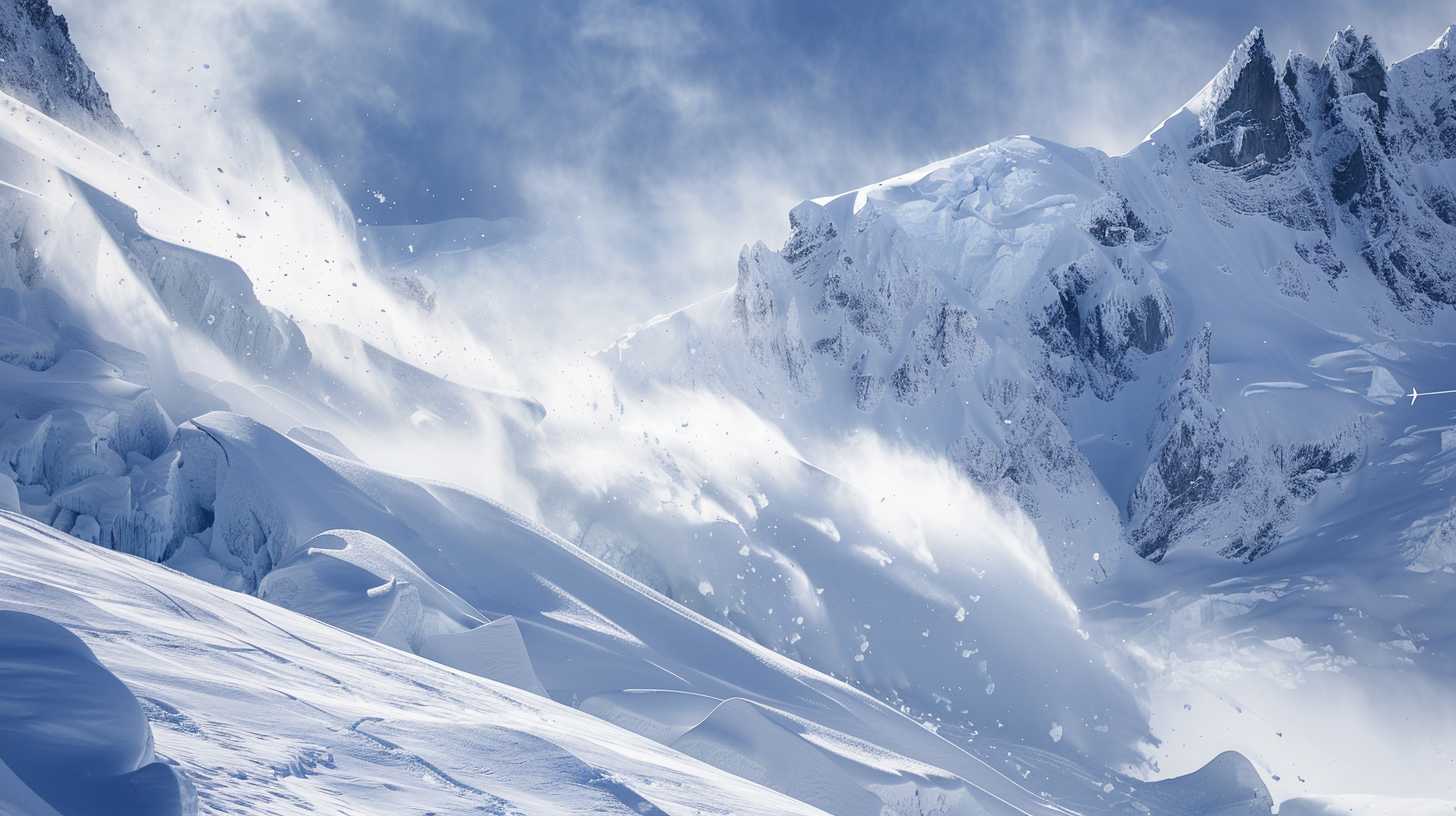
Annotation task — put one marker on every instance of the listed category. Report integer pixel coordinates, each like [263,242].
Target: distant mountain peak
[1007,307]
[1445,41]
[1356,66]
[40,66]
[1240,111]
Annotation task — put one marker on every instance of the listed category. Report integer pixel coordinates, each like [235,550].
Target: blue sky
[442,105]
[678,131]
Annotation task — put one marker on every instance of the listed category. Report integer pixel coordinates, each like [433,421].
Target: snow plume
[1282,702]
[615,211]
[928,508]
[879,564]
[217,177]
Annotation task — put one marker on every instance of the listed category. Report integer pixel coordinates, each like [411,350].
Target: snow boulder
[1227,786]
[750,741]
[495,650]
[359,582]
[9,494]
[74,734]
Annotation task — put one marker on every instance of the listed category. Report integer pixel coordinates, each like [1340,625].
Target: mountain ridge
[1317,150]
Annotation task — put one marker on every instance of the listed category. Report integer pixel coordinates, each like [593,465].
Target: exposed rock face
[40,66]
[1189,447]
[1356,67]
[1248,126]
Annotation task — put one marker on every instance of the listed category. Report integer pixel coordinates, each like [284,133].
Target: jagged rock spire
[40,66]
[1242,110]
[1356,66]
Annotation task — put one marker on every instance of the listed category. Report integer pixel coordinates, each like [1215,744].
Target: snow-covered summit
[1195,349]
[1023,308]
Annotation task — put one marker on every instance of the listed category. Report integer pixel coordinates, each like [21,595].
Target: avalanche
[1008,485]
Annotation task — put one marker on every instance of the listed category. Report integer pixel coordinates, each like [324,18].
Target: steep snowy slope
[269,712]
[239,495]
[119,288]
[195,502]
[93,449]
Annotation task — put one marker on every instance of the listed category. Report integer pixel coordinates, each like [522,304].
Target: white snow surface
[267,711]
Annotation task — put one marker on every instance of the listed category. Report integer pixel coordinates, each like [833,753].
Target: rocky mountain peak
[1242,111]
[40,66]
[1089,336]
[1356,67]
[1446,40]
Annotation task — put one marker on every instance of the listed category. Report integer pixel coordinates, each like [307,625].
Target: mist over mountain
[1040,479]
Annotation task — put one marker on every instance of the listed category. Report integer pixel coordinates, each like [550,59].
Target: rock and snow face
[1114,343]
[1194,349]
[40,65]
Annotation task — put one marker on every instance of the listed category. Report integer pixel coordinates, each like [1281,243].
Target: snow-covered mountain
[859,536]
[1180,347]
[1192,352]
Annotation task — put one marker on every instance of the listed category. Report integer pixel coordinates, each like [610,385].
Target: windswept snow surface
[112,435]
[267,711]
[72,734]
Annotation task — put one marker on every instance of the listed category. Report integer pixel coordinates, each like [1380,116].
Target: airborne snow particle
[705,588]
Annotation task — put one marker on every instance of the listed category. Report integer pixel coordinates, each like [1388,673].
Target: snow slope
[116,298]
[264,709]
[93,449]
[96,451]
[73,734]
[269,712]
